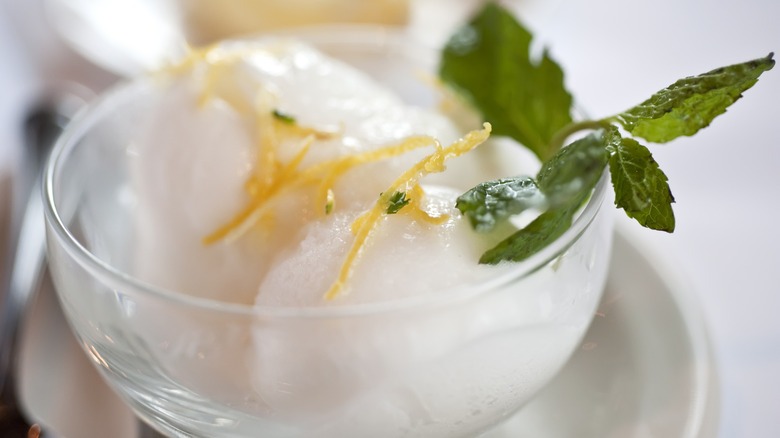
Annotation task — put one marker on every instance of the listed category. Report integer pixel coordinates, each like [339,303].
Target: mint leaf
[488,62]
[575,168]
[491,202]
[641,188]
[396,202]
[526,242]
[567,180]
[543,231]
[692,103]
[566,175]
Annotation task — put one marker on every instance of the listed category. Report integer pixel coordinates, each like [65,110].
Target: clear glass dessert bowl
[454,362]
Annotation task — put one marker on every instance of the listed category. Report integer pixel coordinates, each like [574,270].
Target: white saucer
[644,368]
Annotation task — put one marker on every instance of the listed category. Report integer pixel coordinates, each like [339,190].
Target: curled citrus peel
[272,178]
[407,182]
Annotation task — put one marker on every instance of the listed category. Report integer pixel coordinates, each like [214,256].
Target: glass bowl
[454,363]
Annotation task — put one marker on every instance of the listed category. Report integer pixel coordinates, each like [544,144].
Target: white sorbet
[440,369]
[193,162]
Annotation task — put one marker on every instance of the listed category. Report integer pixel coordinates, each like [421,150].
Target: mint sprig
[488,61]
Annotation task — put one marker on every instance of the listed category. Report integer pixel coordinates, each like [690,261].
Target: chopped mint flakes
[397,201]
[286,118]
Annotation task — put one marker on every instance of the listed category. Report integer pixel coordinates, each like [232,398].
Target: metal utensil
[25,257]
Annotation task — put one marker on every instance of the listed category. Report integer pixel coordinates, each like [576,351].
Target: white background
[615,53]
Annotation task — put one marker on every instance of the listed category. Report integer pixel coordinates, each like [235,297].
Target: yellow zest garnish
[414,209]
[267,141]
[259,205]
[323,173]
[332,169]
[272,177]
[366,223]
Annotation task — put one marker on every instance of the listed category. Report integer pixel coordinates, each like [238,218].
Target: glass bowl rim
[364,36]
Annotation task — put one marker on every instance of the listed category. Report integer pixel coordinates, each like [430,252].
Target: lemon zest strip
[363,226]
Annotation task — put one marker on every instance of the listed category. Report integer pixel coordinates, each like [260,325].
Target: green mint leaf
[286,118]
[491,202]
[488,62]
[692,103]
[538,234]
[567,180]
[573,169]
[528,241]
[396,202]
[641,188]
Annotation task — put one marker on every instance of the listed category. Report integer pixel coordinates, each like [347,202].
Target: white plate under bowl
[644,368]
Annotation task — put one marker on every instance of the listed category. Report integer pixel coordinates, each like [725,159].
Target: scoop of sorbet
[191,170]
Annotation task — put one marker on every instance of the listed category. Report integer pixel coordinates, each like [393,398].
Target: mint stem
[556,143]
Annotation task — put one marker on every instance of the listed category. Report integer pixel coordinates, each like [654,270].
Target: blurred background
[615,54]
